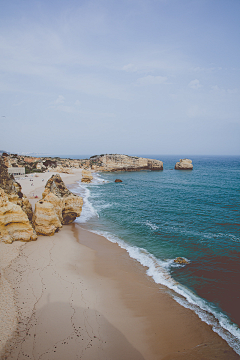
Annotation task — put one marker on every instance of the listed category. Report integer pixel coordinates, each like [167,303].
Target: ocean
[160,215]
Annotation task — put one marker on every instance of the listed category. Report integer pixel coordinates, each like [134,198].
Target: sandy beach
[76,295]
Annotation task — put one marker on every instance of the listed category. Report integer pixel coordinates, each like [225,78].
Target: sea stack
[184,164]
[58,207]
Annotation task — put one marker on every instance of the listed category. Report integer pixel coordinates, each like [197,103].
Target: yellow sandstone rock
[117,162]
[184,164]
[58,206]
[14,223]
[45,219]
[86,176]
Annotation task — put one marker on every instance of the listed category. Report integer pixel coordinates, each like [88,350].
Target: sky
[130,77]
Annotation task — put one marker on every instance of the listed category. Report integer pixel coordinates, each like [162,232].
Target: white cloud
[152,80]
[60,100]
[207,69]
[19,103]
[129,67]
[193,111]
[195,84]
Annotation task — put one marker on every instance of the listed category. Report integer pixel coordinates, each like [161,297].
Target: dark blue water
[158,216]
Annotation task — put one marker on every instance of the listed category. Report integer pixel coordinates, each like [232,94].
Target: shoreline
[110,308]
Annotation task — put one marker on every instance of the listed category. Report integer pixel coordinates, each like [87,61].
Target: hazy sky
[120,76]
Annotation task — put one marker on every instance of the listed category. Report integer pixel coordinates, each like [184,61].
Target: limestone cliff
[86,176]
[184,164]
[13,190]
[58,206]
[107,162]
[116,162]
[14,223]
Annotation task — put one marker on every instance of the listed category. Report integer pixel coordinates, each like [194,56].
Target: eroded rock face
[14,223]
[184,164]
[86,176]
[58,206]
[116,162]
[46,220]
[14,190]
[56,186]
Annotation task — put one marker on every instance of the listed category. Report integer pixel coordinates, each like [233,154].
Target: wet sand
[76,295]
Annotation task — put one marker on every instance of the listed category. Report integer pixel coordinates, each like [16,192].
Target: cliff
[14,223]
[58,206]
[107,162]
[13,190]
[116,162]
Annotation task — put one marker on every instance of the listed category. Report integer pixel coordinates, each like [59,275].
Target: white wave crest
[88,211]
[152,226]
[159,271]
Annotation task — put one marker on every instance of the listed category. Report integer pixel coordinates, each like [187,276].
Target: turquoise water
[158,216]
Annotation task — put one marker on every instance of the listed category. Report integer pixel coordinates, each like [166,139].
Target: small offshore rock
[184,164]
[118,181]
[180,260]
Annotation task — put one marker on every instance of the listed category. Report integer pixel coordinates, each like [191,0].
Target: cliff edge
[116,162]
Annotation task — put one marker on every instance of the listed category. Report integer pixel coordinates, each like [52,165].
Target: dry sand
[78,296]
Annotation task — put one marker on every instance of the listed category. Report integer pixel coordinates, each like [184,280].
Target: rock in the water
[118,180]
[180,260]
[86,176]
[58,206]
[14,223]
[116,162]
[184,164]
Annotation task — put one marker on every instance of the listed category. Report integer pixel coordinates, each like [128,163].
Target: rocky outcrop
[58,206]
[14,190]
[46,220]
[180,260]
[108,162]
[118,181]
[14,223]
[86,176]
[116,162]
[184,164]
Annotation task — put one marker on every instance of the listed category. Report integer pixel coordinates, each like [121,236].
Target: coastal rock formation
[46,220]
[58,206]
[184,164]
[14,190]
[180,260]
[118,181]
[107,162]
[86,176]
[14,223]
[116,162]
